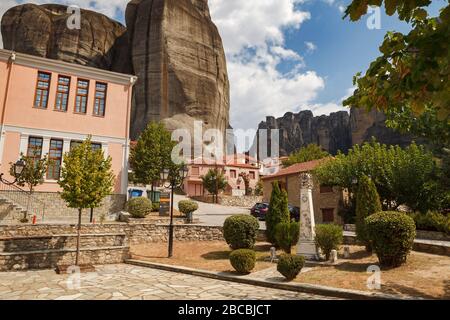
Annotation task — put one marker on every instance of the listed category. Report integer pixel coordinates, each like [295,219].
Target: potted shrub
[188,207]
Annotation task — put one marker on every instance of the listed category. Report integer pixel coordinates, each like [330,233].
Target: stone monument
[306,245]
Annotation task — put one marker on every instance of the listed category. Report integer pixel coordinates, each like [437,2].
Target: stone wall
[245,201]
[56,209]
[44,246]
[51,259]
[136,233]
[432,235]
[22,251]
[231,201]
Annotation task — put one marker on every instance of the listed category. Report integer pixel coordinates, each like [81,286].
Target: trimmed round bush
[392,235]
[187,206]
[240,231]
[290,266]
[243,260]
[139,207]
[287,235]
[328,237]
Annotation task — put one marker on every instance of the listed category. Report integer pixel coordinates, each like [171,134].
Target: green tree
[410,79]
[287,235]
[308,153]
[278,211]
[246,178]
[214,181]
[32,175]
[425,125]
[151,154]
[328,237]
[367,203]
[402,176]
[445,178]
[259,189]
[86,179]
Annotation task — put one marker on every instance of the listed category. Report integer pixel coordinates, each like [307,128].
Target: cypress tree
[278,211]
[367,203]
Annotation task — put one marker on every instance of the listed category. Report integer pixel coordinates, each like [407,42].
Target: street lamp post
[17,170]
[172,179]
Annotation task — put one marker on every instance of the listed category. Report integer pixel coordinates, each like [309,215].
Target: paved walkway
[124,282]
[213,214]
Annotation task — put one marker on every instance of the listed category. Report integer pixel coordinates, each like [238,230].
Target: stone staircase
[10,212]
[16,203]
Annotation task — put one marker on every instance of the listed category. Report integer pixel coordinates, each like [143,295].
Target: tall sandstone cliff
[338,131]
[171,45]
[177,53]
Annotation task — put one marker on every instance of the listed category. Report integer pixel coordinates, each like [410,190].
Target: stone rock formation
[331,132]
[42,30]
[177,53]
[365,125]
[338,131]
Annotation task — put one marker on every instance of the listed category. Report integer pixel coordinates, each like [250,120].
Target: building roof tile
[297,168]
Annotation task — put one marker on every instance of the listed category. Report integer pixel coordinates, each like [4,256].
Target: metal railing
[23,199]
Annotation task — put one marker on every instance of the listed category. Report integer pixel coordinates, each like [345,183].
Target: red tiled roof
[297,168]
[241,165]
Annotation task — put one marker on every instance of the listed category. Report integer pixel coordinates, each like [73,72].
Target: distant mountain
[338,131]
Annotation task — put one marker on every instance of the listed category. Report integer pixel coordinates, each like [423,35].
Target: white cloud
[253,33]
[319,109]
[311,47]
[284,53]
[252,23]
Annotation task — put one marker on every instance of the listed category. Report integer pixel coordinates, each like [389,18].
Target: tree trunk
[78,238]
[92,215]
[25,214]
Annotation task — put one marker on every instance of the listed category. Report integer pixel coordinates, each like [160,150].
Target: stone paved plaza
[123,282]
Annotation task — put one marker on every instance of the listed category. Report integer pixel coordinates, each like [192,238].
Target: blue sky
[343,47]
[283,55]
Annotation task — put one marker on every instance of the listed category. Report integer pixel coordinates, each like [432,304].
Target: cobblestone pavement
[124,282]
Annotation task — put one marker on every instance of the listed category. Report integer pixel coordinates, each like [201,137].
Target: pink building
[47,106]
[271,166]
[232,168]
